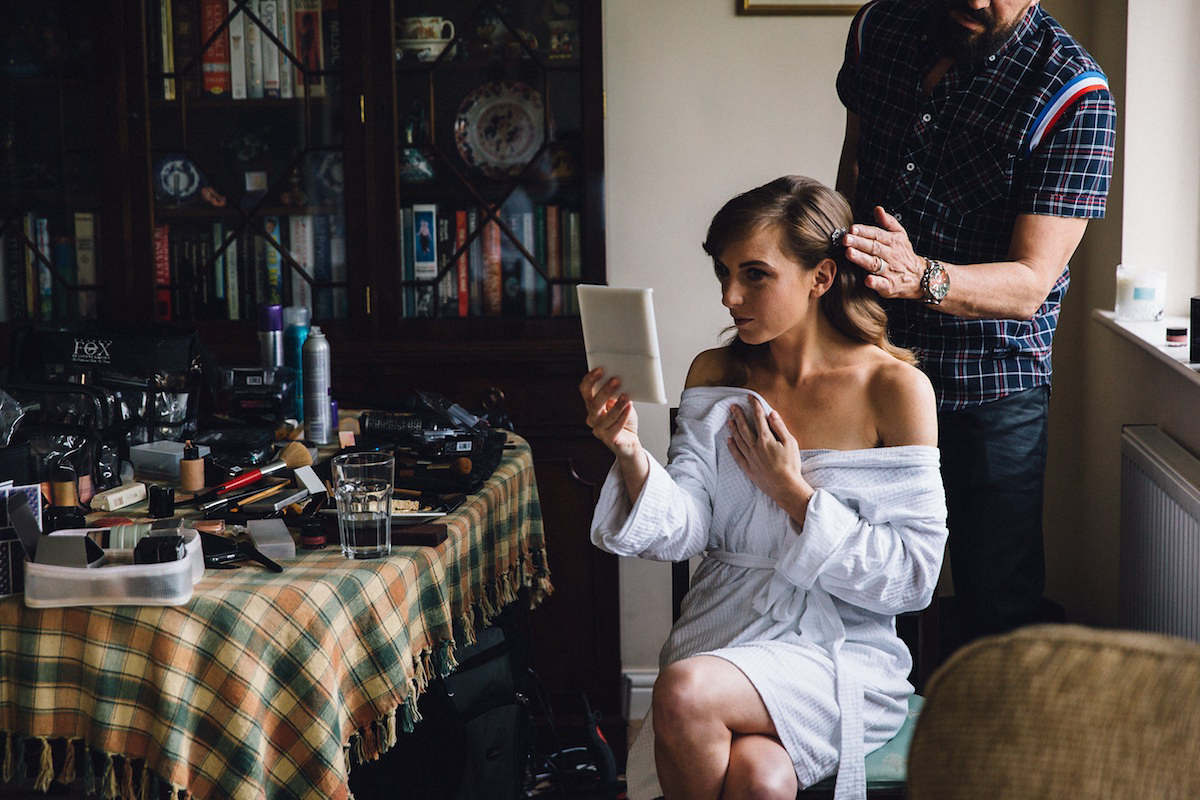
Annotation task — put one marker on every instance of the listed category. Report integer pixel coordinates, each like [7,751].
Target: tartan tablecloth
[264,684]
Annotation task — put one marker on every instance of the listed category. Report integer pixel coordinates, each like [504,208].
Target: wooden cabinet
[215,193]
[61,160]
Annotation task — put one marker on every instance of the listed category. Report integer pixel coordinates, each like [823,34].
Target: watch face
[938,284]
[935,282]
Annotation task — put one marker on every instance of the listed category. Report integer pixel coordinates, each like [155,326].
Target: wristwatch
[935,282]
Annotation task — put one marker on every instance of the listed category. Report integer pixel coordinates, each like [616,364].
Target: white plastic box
[117,581]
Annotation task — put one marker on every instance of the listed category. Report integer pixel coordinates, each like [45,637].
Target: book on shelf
[306,33]
[269,13]
[14,275]
[322,266]
[425,258]
[409,298]
[29,263]
[85,262]
[218,264]
[237,51]
[160,32]
[272,261]
[214,60]
[493,256]
[337,265]
[462,264]
[331,35]
[553,262]
[539,290]
[284,26]
[474,264]
[45,273]
[447,283]
[185,45]
[162,272]
[254,51]
[300,246]
[233,284]
[573,258]
[258,290]
[62,248]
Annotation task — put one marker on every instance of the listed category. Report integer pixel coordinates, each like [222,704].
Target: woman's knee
[759,768]
[681,695]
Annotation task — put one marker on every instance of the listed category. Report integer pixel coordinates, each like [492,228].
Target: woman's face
[766,291]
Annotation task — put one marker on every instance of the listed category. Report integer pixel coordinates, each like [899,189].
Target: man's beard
[962,44]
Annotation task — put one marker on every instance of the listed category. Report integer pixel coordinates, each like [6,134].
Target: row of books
[210,270]
[467,263]
[258,48]
[32,251]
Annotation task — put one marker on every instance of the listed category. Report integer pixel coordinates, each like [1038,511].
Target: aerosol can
[318,415]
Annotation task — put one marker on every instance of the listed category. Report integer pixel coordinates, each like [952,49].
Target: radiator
[1160,534]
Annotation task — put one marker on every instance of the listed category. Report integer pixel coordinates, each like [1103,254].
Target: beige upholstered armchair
[1061,711]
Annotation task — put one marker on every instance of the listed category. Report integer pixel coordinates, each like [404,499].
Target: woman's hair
[811,219]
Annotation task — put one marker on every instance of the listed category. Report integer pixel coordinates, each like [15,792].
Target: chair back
[1061,711]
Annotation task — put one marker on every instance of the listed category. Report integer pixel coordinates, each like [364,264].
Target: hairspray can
[318,416]
[270,335]
[295,331]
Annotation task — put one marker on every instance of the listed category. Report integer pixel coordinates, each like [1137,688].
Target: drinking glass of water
[362,487]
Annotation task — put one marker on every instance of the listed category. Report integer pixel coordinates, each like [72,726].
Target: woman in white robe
[805,469]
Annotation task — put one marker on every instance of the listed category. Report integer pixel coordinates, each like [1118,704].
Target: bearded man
[979,142]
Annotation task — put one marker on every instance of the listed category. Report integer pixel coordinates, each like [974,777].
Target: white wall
[701,104]
[1162,177]
[1160,136]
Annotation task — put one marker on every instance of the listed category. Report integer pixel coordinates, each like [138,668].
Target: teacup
[431,27]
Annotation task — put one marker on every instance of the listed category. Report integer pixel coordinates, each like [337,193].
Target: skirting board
[639,683]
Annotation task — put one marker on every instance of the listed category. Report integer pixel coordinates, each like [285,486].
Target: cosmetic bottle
[270,335]
[318,423]
[191,468]
[295,331]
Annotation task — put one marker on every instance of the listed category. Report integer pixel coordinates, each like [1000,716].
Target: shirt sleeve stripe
[1077,87]
[859,27]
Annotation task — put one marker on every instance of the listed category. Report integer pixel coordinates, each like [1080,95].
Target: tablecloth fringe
[371,742]
[114,780]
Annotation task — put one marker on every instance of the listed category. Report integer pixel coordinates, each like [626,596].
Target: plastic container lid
[296,316]
[270,318]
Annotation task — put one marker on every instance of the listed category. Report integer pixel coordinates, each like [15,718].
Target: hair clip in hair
[835,238]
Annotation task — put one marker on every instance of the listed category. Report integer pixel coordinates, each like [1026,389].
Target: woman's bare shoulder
[904,404]
[709,368]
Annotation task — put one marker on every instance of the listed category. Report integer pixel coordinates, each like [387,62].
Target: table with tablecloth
[264,684]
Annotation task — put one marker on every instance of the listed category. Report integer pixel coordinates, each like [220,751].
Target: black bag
[473,739]
[158,377]
[440,447]
[71,425]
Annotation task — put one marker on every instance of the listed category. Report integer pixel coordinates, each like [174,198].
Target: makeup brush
[293,456]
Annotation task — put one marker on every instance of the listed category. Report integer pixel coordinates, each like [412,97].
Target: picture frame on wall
[780,8]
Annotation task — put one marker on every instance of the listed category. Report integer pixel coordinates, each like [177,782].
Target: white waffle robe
[808,615]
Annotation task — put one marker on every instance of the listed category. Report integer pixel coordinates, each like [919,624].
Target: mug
[432,27]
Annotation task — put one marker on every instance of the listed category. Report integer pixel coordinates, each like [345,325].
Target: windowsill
[1152,338]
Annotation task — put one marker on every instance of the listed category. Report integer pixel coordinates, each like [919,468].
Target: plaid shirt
[1029,130]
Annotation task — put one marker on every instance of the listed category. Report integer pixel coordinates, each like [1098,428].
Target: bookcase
[60,186]
[244,136]
[235,153]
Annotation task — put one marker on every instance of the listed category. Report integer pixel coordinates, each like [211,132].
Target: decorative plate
[177,178]
[499,127]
